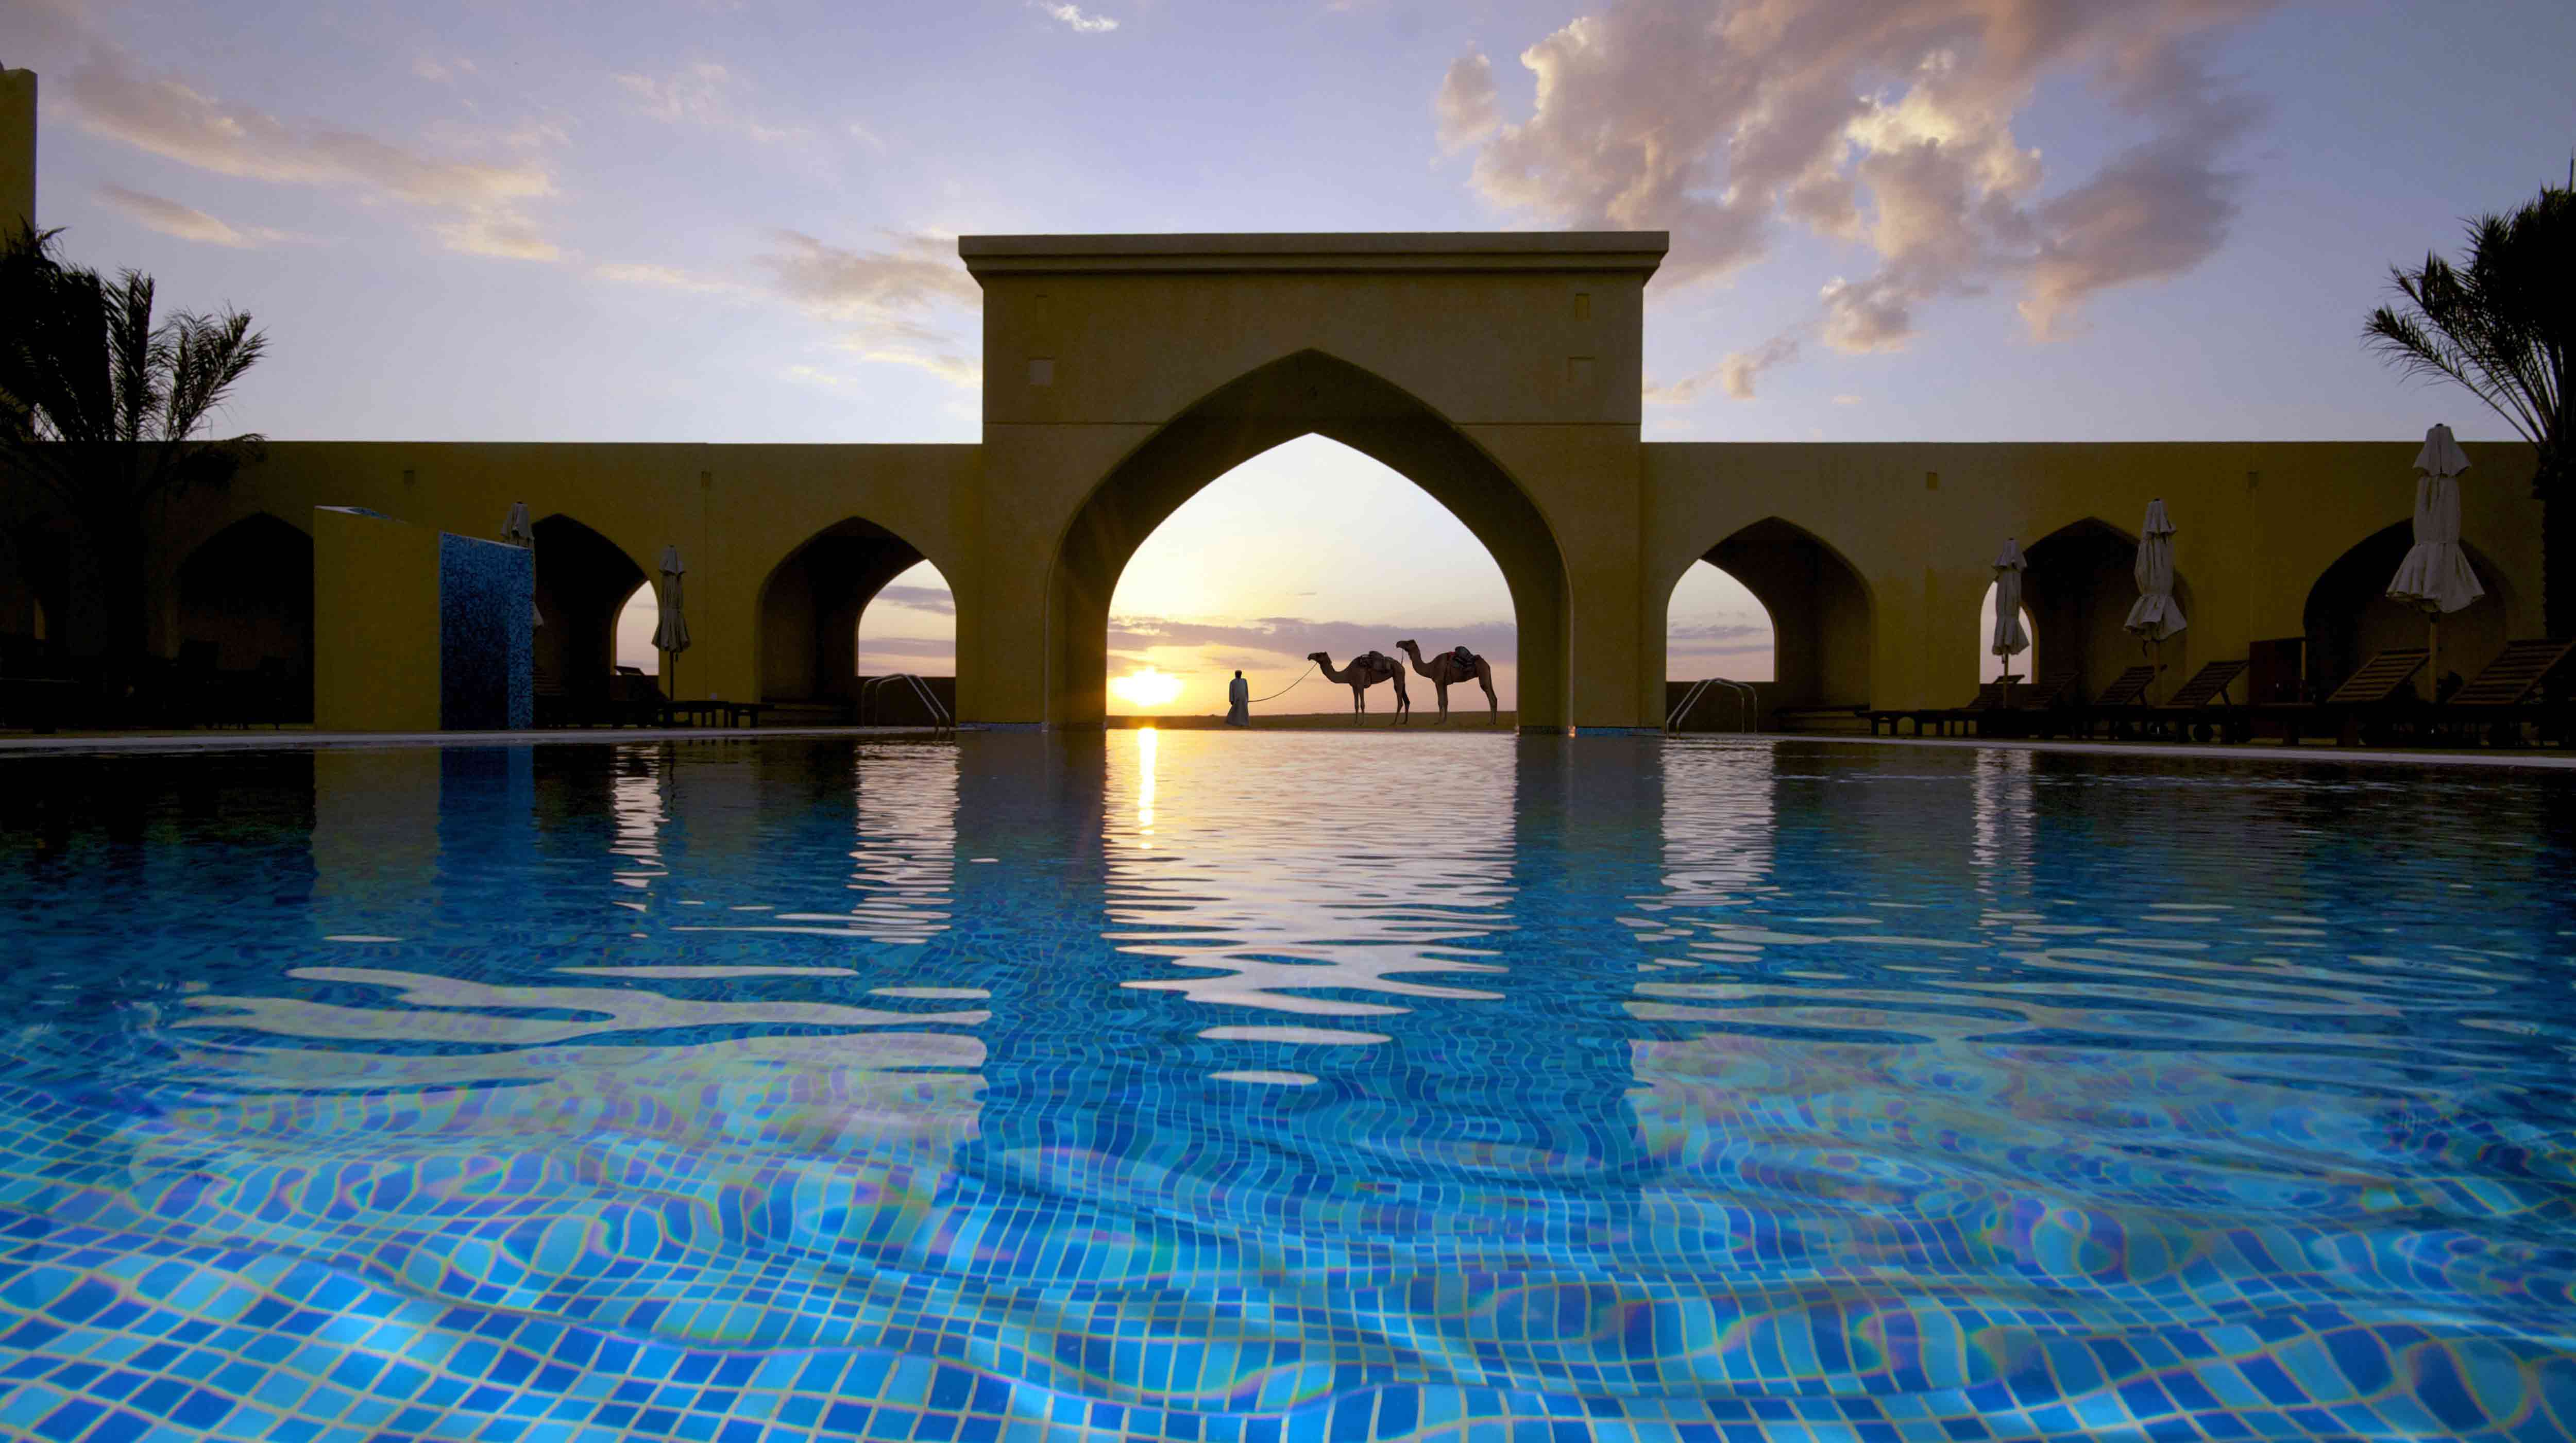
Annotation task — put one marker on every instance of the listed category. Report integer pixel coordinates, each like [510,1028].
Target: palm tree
[101,406]
[2501,324]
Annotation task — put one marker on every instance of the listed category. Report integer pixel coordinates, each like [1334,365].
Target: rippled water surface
[1283,1088]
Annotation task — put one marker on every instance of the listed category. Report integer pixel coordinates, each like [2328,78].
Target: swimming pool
[1284,1088]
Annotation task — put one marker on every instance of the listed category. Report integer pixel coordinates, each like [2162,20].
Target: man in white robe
[1238,696]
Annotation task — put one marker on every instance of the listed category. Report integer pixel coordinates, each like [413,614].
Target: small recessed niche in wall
[1578,370]
[1583,305]
[1931,480]
[1041,370]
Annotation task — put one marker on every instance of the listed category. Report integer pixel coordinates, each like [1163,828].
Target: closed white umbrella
[516,529]
[2435,575]
[2011,637]
[671,632]
[2156,615]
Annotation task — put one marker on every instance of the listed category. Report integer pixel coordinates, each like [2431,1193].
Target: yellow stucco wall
[17,148]
[2259,522]
[1501,372]
[375,624]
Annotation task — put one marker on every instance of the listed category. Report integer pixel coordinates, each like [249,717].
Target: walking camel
[1367,670]
[1455,666]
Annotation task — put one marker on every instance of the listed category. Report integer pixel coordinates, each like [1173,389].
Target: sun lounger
[2122,706]
[2363,701]
[2201,705]
[2507,692]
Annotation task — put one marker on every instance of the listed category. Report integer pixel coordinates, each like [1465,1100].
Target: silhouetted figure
[1238,696]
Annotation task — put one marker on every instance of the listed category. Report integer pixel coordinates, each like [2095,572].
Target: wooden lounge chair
[2122,705]
[2515,675]
[2380,677]
[2183,710]
[2383,683]
[2507,691]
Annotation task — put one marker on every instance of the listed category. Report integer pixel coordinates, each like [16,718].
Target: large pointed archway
[1823,625]
[2348,617]
[810,607]
[2078,585]
[583,581]
[1307,392]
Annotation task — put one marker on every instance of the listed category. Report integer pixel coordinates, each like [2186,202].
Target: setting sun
[1149,687]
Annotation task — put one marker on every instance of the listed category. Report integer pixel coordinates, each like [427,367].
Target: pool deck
[22,744]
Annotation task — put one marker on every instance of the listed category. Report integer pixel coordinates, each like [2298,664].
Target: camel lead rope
[1283,691]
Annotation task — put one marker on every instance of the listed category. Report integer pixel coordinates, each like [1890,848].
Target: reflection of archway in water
[584,581]
[2025,662]
[2078,587]
[1245,575]
[1309,392]
[246,604]
[2349,617]
[810,610]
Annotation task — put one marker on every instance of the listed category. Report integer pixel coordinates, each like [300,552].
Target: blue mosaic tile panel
[487,661]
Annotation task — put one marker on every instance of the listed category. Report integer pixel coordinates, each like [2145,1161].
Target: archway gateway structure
[1500,372]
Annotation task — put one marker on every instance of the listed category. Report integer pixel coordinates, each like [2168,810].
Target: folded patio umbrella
[671,632]
[2011,637]
[2156,615]
[2436,575]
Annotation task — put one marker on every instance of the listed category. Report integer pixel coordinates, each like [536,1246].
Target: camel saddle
[1466,659]
[1374,661]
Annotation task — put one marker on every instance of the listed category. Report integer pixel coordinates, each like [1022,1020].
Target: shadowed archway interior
[810,608]
[583,581]
[1308,392]
[2348,616]
[2078,584]
[1822,626]
[245,603]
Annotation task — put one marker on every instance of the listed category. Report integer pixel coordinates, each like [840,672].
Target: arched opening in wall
[1324,510]
[1310,546]
[245,610]
[855,592]
[584,581]
[1823,629]
[2077,587]
[2024,663]
[2349,618]
[1715,627]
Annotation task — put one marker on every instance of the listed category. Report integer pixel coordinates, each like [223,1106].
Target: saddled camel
[1447,667]
[1367,670]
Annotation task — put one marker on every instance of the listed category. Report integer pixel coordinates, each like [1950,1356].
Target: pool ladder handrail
[940,720]
[1748,702]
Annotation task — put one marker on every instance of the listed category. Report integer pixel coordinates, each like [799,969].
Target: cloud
[1886,123]
[440,72]
[1074,19]
[913,273]
[642,273]
[478,203]
[936,599]
[932,646]
[1465,110]
[186,222]
[702,95]
[1734,374]
[880,295]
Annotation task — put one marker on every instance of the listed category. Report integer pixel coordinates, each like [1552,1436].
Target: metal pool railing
[939,717]
[1748,702]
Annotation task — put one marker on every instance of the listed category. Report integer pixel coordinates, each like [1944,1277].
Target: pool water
[1284,1088]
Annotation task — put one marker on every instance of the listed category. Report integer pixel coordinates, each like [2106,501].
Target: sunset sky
[711,221]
